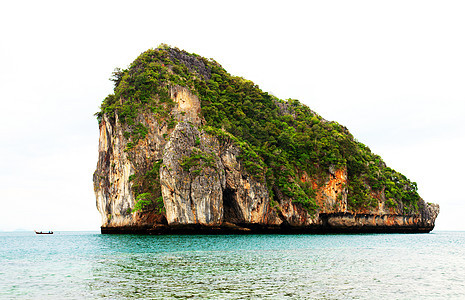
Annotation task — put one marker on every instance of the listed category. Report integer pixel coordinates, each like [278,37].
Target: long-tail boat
[42,232]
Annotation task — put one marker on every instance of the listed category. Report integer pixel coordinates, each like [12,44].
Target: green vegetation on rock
[146,188]
[197,161]
[280,140]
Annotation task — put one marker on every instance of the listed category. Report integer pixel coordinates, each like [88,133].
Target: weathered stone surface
[111,179]
[192,178]
[246,199]
[113,189]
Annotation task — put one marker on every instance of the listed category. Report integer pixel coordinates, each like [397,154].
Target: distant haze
[390,71]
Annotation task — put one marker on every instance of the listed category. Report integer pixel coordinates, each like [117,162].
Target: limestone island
[187,148]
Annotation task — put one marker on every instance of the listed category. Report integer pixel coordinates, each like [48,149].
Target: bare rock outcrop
[246,199]
[183,148]
[192,178]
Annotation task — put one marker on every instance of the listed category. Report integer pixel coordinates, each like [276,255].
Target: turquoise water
[78,265]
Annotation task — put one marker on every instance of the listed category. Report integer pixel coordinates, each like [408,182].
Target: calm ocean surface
[78,265]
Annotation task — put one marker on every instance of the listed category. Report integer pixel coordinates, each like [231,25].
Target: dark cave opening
[231,209]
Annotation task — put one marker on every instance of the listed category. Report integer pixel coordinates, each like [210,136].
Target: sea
[89,265]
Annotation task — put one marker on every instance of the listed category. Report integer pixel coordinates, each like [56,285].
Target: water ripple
[94,266]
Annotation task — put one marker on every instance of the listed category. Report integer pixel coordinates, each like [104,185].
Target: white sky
[393,72]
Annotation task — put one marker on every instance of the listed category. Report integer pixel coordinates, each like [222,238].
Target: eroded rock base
[330,224]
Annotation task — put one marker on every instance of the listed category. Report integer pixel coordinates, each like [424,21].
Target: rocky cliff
[187,148]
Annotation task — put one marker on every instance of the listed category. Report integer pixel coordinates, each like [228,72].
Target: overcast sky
[393,72]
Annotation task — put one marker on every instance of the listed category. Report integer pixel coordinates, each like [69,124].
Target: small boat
[42,232]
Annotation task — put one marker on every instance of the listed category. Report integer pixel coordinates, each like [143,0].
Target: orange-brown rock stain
[149,217]
[331,196]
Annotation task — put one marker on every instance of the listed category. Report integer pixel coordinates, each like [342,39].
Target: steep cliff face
[171,161]
[192,178]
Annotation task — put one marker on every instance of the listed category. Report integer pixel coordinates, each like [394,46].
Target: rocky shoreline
[330,224]
[197,229]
